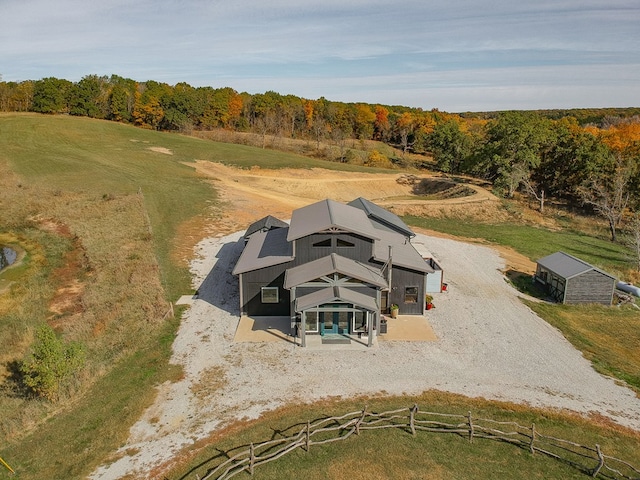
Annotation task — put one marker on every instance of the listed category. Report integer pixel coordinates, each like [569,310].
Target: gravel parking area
[488,344]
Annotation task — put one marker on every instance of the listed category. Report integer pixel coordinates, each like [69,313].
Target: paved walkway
[406,328]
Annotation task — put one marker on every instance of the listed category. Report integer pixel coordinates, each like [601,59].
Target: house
[263,225]
[333,270]
[571,280]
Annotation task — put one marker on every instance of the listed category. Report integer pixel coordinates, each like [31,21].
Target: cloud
[400,49]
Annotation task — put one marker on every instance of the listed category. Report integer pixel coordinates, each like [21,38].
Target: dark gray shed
[571,280]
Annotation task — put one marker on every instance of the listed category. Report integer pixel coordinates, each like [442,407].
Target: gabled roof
[382,216]
[267,223]
[331,294]
[265,249]
[567,266]
[403,253]
[327,214]
[330,264]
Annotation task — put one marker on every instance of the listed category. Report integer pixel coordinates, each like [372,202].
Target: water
[7,257]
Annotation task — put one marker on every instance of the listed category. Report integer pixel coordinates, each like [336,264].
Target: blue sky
[454,55]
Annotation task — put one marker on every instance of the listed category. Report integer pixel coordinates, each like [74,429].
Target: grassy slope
[395,454]
[74,170]
[70,154]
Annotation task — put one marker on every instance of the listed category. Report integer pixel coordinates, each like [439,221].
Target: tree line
[584,156]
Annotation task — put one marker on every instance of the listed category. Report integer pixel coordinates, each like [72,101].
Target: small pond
[7,256]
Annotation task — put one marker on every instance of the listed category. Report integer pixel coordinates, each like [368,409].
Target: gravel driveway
[490,345]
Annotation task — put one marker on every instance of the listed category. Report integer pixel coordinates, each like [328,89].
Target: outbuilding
[571,280]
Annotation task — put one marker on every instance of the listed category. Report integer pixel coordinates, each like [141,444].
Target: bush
[50,363]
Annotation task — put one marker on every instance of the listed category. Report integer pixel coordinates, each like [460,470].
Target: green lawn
[534,242]
[396,454]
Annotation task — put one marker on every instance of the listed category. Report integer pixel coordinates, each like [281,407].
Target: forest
[585,157]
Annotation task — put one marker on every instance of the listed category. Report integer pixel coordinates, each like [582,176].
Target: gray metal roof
[267,223]
[567,266]
[403,252]
[265,249]
[327,214]
[382,216]
[330,264]
[332,294]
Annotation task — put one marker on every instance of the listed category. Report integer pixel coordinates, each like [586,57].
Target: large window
[411,295]
[269,295]
[311,319]
[323,243]
[359,321]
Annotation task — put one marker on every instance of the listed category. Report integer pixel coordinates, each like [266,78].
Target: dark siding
[305,251]
[401,278]
[252,282]
[590,287]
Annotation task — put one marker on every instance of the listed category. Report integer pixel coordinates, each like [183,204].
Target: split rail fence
[590,460]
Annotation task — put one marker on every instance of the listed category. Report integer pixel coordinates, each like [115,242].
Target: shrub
[50,362]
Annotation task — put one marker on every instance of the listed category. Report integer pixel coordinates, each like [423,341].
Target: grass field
[99,265]
[395,454]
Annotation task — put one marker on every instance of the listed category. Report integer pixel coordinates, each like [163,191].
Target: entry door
[334,322]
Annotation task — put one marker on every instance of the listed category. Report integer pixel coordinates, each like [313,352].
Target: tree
[449,145]
[405,126]
[89,97]
[610,196]
[51,95]
[50,363]
[514,148]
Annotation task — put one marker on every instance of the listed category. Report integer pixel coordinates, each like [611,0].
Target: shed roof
[403,253]
[327,214]
[382,216]
[331,294]
[567,266]
[333,263]
[265,249]
[267,223]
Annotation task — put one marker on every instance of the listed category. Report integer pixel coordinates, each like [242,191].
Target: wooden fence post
[470,420]
[412,421]
[360,420]
[252,459]
[307,436]
[533,437]
[596,470]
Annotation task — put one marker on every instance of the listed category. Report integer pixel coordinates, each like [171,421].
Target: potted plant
[428,299]
[394,310]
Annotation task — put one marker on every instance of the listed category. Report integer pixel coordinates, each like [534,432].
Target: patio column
[370,327]
[303,329]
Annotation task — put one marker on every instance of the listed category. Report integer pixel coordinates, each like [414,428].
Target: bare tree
[609,197]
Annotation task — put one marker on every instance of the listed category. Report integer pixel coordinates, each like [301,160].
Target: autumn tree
[381,125]
[364,121]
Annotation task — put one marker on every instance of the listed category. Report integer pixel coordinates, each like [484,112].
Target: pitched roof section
[403,253]
[327,214]
[567,266]
[332,294]
[330,264]
[267,223]
[381,216]
[265,249]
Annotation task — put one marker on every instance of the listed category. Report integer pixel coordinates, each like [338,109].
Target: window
[344,243]
[359,321]
[323,243]
[269,294]
[311,319]
[411,295]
